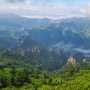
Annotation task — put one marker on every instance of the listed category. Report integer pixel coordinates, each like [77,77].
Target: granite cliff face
[21,52]
[72,61]
[36,49]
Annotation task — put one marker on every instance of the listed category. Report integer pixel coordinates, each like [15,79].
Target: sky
[46,8]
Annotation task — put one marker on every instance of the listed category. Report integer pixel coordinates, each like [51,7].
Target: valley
[44,54]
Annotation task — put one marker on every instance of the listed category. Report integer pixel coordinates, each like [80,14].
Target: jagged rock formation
[36,49]
[34,57]
[72,60]
[55,50]
[85,60]
[20,51]
[25,42]
[21,40]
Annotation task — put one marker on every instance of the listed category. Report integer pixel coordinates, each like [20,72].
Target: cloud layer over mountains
[46,8]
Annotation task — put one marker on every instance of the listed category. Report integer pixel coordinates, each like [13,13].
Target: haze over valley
[44,45]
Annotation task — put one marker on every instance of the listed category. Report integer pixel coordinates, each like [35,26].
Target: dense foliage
[44,59]
[38,79]
[26,66]
[19,72]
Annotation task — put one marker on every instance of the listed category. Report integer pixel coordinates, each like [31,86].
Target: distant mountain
[15,22]
[70,34]
[25,42]
[6,43]
[43,41]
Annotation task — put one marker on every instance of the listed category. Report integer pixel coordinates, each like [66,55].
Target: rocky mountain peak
[72,61]
[21,52]
[22,39]
[36,49]
[55,50]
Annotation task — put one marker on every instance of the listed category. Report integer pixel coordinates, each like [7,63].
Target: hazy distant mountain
[15,22]
[6,43]
[25,42]
[68,34]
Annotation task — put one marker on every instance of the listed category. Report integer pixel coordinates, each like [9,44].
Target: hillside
[70,34]
[44,54]
[37,78]
[44,44]
[33,57]
[16,22]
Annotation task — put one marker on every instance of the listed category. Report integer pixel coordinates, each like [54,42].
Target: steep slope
[32,58]
[6,43]
[25,42]
[15,22]
[69,34]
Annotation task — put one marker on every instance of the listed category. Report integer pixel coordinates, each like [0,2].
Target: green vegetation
[37,79]
[37,53]
[15,76]
[28,59]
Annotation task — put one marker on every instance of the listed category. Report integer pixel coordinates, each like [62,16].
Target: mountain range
[70,34]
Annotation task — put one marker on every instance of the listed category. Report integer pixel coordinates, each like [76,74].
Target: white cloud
[82,50]
[28,2]
[32,8]
[85,10]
